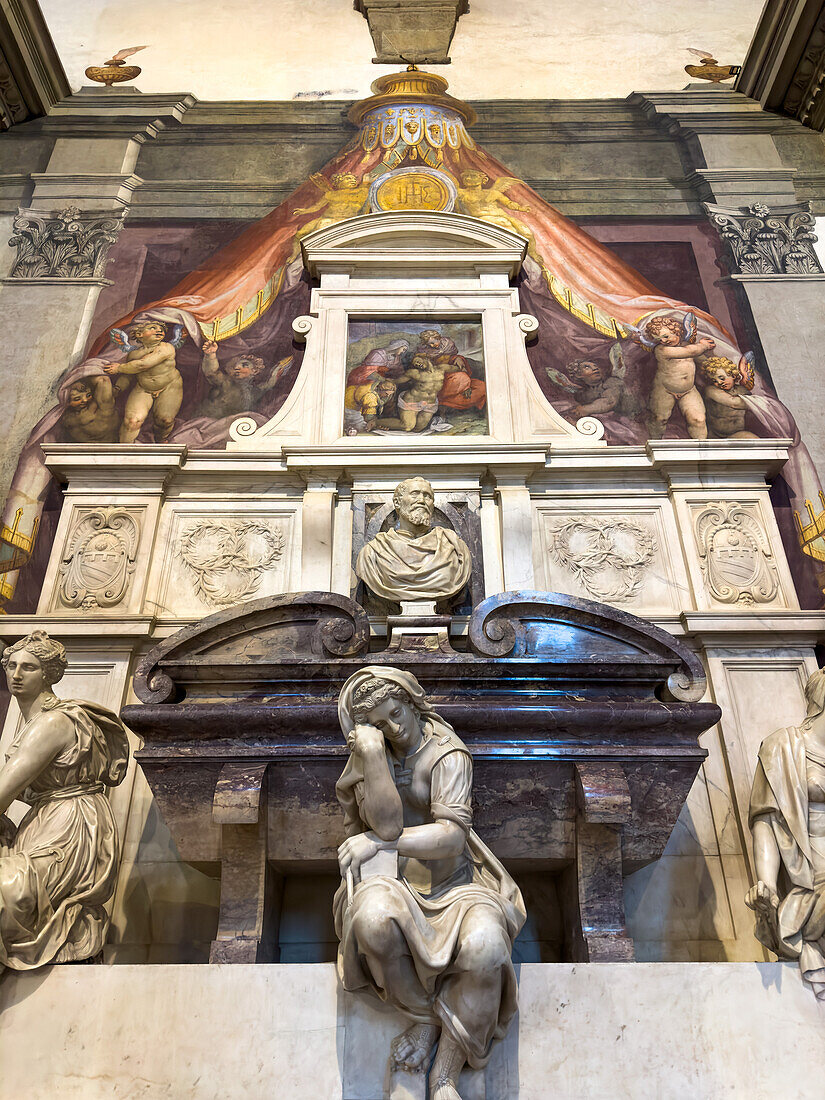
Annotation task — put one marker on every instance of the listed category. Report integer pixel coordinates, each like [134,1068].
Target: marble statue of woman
[787,820]
[434,937]
[61,866]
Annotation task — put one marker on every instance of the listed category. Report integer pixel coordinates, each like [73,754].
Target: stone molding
[68,244]
[768,241]
[31,75]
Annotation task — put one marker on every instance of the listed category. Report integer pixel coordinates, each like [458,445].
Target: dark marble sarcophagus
[582,721]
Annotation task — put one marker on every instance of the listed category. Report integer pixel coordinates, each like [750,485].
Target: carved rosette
[607,556]
[69,244]
[735,555]
[99,559]
[228,558]
[765,241]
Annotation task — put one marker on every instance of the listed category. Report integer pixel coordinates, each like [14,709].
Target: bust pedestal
[419,631]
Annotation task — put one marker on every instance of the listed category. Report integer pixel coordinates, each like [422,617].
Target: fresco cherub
[597,387]
[344,196]
[158,385]
[726,384]
[676,348]
[90,414]
[234,386]
[492,203]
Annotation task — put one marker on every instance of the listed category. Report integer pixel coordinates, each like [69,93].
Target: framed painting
[415,378]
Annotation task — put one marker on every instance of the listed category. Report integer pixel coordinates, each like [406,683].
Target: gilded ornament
[115,70]
[413,189]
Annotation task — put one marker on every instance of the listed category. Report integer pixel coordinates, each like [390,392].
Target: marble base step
[597,1031]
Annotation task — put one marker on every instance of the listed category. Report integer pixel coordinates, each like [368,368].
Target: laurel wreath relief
[227,558]
[607,556]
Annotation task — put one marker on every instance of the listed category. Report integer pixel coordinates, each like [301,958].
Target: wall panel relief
[607,556]
[206,561]
[736,558]
[227,559]
[100,558]
[620,558]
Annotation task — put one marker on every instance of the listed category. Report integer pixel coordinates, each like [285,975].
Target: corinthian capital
[68,244]
[768,241]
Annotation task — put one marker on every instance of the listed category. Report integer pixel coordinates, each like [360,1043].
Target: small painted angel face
[80,396]
[153,332]
[25,675]
[589,373]
[667,337]
[473,178]
[398,721]
[723,380]
[346,182]
[243,367]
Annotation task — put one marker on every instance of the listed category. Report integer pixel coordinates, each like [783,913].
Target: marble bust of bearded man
[415,561]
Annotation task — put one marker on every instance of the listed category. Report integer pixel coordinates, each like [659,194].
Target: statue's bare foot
[412,1048]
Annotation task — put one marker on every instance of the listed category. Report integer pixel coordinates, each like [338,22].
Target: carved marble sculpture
[787,820]
[426,915]
[416,561]
[58,869]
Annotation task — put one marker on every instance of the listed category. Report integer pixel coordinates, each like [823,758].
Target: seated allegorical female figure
[434,937]
[787,820]
[59,868]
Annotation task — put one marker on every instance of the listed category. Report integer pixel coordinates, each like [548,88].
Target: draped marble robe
[427,567]
[780,794]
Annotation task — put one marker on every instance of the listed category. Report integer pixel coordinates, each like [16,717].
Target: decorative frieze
[227,558]
[100,558]
[607,556]
[68,244]
[768,241]
[735,555]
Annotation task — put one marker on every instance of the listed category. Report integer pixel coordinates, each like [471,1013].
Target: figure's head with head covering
[388,698]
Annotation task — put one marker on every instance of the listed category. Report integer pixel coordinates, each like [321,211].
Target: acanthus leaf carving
[99,559]
[735,555]
[766,241]
[69,244]
[229,557]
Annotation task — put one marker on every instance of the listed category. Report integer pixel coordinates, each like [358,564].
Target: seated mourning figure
[425,914]
[59,868]
[787,820]
[416,562]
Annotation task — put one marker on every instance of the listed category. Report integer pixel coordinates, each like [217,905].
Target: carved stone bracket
[412,31]
[247,920]
[768,241]
[69,244]
[604,807]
